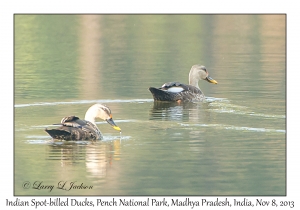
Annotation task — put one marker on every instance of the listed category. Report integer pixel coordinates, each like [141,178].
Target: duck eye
[106,111]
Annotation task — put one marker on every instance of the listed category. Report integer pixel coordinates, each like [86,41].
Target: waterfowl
[73,129]
[176,91]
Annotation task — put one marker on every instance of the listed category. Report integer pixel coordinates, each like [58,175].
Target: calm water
[234,143]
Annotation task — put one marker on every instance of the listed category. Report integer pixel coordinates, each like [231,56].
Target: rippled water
[234,143]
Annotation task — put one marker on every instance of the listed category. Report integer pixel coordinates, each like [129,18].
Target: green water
[234,143]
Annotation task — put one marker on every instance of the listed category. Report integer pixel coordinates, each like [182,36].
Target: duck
[74,129]
[179,92]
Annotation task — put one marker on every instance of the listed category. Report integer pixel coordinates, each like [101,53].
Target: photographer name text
[61,185]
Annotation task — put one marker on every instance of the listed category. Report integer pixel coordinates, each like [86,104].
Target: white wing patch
[175,89]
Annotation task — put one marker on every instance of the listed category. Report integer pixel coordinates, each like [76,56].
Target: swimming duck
[74,129]
[176,91]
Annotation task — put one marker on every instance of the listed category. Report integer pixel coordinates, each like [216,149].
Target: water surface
[234,143]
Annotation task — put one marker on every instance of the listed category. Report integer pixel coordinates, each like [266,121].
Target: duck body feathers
[175,91]
[75,129]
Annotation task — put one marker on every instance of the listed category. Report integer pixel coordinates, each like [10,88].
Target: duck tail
[59,134]
[161,95]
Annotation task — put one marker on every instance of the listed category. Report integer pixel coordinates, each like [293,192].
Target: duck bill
[113,124]
[211,80]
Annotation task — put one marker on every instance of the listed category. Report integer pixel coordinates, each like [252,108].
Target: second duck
[179,92]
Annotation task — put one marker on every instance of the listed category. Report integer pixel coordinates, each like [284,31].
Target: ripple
[112,138]
[119,121]
[36,139]
[227,107]
[39,141]
[232,127]
[84,102]
[213,99]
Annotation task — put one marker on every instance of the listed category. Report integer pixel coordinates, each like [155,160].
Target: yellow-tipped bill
[113,124]
[117,128]
[211,80]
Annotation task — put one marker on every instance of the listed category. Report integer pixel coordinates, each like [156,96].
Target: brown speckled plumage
[71,128]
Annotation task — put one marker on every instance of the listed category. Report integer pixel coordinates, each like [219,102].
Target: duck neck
[90,116]
[192,79]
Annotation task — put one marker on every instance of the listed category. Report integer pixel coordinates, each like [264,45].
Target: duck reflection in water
[177,112]
[98,156]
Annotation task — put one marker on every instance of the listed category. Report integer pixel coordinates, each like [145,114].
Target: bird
[179,92]
[74,129]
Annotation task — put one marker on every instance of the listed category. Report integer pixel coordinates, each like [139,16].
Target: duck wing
[73,121]
[73,128]
[176,91]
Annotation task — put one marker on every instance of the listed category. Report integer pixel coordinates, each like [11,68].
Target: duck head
[103,112]
[199,72]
